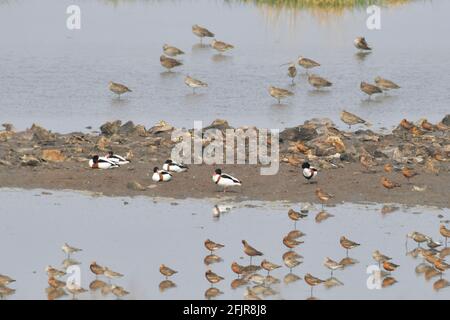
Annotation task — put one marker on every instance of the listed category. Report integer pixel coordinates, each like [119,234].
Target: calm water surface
[59,78]
[135,238]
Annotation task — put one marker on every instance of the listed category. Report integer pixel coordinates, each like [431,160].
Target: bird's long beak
[285,64]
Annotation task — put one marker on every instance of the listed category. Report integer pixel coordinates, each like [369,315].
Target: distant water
[135,235]
[58,78]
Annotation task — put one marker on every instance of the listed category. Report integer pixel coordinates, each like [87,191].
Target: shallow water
[58,78]
[135,238]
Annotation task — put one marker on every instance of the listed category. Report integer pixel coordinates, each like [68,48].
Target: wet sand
[348,184]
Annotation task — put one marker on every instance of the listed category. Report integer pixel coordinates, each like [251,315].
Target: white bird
[308,171]
[102,163]
[116,158]
[161,175]
[225,180]
[173,166]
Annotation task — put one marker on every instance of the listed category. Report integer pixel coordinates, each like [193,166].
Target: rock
[6,135]
[446,120]
[42,135]
[140,131]
[302,133]
[136,186]
[336,142]
[110,128]
[8,126]
[128,128]
[5,163]
[28,160]
[161,126]
[53,155]
[219,124]
[102,143]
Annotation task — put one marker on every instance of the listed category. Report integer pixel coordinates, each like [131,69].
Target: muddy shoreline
[38,158]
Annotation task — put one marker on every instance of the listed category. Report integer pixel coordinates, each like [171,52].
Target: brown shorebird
[291,262]
[322,216]
[194,83]
[318,82]
[291,243]
[389,266]
[388,184]
[110,274]
[118,291]
[367,161]
[441,265]
[332,265]
[250,251]
[385,84]
[237,268]
[201,32]
[166,271]
[307,63]
[361,44]
[348,244]
[388,167]
[312,281]
[269,266]
[97,285]
[212,246]
[53,272]
[118,88]
[96,269]
[408,173]
[212,277]
[212,258]
[405,124]
[221,46]
[69,250]
[169,63]
[379,257]
[5,291]
[74,289]
[351,119]
[295,234]
[369,89]
[295,216]
[444,232]
[323,196]
[417,237]
[166,284]
[292,72]
[56,284]
[279,93]
[212,293]
[171,51]
[425,125]
[5,280]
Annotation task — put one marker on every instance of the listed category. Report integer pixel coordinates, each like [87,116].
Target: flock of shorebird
[434,264]
[168,61]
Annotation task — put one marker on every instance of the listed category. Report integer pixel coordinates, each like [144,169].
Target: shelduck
[116,158]
[309,172]
[173,166]
[161,175]
[102,163]
[225,180]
